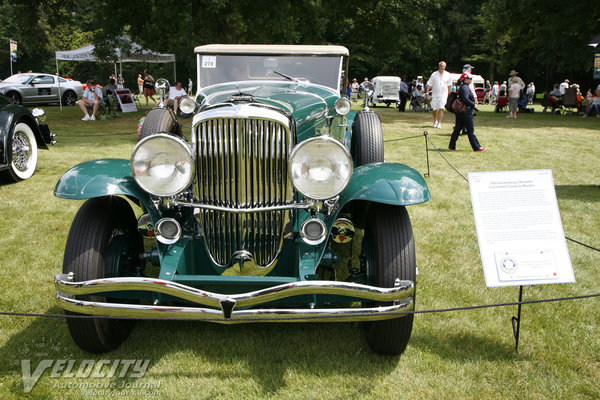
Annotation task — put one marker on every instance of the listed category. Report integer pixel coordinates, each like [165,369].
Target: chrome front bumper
[224,306]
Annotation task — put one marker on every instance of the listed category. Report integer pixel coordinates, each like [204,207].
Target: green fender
[387,183]
[103,177]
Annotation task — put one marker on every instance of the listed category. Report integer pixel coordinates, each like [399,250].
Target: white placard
[520,234]
[209,61]
[126,100]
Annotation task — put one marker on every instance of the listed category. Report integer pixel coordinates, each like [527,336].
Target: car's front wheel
[23,154]
[389,254]
[160,120]
[103,242]
[14,97]
[69,98]
[367,138]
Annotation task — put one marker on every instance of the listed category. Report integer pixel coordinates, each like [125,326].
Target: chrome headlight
[320,167]
[342,106]
[162,164]
[187,105]
[39,115]
[162,87]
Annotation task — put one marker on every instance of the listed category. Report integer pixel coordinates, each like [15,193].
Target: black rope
[441,155]
[92,135]
[583,244]
[439,310]
[404,138]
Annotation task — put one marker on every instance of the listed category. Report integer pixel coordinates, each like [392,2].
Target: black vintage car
[22,132]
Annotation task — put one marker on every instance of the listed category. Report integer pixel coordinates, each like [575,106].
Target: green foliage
[542,39]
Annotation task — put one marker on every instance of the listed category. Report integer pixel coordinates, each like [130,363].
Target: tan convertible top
[272,49]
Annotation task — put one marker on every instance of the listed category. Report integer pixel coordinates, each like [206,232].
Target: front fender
[387,183]
[104,177]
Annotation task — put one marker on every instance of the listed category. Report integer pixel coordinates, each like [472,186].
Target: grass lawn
[455,355]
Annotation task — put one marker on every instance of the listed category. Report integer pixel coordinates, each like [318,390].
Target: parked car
[246,220]
[386,90]
[35,88]
[21,134]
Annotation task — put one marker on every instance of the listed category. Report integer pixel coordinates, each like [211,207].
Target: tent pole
[175,71]
[58,80]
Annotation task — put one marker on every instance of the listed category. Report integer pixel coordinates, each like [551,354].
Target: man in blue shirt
[403,96]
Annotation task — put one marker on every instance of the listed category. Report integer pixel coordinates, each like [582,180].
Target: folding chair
[570,101]
[501,104]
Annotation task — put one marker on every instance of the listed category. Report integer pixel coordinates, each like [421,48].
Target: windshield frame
[269,51]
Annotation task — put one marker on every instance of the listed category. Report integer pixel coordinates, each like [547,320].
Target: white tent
[136,54]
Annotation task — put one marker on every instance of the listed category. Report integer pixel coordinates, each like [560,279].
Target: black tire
[103,241]
[389,251]
[69,98]
[15,97]
[367,138]
[160,120]
[22,154]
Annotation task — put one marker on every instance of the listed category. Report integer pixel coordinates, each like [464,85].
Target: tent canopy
[595,41]
[136,54]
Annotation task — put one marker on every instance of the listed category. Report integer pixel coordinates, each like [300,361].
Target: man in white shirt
[175,94]
[439,86]
[563,87]
[92,96]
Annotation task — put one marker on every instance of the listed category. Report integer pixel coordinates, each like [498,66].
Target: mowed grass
[453,355]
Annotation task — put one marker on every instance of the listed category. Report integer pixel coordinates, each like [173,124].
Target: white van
[478,80]
[386,90]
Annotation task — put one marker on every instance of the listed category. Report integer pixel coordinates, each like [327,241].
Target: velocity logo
[66,368]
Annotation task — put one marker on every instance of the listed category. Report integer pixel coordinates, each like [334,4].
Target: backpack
[451,98]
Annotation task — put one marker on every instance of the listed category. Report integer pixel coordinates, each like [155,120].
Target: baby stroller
[416,104]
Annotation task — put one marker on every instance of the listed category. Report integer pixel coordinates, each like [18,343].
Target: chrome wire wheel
[23,156]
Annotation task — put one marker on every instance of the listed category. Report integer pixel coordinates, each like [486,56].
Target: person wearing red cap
[465,120]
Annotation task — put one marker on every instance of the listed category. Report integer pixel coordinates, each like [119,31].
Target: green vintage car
[251,217]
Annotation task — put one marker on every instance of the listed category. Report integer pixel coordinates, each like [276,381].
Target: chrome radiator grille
[242,164]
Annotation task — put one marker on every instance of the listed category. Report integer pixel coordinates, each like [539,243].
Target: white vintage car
[386,90]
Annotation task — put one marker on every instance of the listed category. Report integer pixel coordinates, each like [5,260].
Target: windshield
[17,78]
[322,70]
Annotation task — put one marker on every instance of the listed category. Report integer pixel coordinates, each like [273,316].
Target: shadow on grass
[464,346]
[579,192]
[264,353]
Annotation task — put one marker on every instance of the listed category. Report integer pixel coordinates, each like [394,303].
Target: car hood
[304,101]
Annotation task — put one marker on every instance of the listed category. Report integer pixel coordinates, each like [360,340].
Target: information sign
[520,234]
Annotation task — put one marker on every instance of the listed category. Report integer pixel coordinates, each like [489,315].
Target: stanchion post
[426,152]
[516,321]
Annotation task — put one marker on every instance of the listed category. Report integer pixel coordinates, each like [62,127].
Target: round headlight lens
[39,115]
[342,106]
[320,167]
[187,105]
[162,165]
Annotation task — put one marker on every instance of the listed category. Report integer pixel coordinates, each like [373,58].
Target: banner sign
[597,67]
[13,51]
[520,234]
